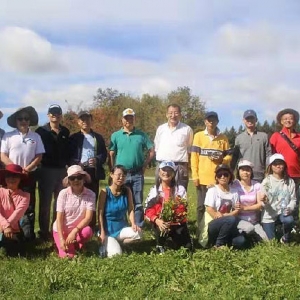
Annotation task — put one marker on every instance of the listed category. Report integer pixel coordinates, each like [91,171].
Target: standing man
[53,166]
[87,149]
[127,148]
[287,143]
[208,151]
[25,148]
[172,142]
[253,145]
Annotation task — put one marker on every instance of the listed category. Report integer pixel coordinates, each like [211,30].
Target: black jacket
[75,150]
[56,146]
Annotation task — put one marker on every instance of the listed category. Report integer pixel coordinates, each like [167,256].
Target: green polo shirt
[130,147]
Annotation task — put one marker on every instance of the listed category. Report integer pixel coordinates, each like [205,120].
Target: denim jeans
[135,181]
[223,231]
[287,223]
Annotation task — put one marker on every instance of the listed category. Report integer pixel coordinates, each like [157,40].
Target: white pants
[112,244]
[248,228]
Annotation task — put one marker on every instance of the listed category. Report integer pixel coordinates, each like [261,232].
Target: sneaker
[283,240]
[160,250]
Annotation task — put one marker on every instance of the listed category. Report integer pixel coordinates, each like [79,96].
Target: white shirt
[22,148]
[173,143]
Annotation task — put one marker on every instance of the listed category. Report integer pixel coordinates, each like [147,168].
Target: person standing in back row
[53,166]
[127,147]
[25,148]
[172,143]
[253,145]
[208,151]
[87,149]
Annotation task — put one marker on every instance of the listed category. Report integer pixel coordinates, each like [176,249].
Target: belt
[177,163]
[134,170]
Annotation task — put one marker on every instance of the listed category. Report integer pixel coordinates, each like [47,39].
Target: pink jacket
[10,216]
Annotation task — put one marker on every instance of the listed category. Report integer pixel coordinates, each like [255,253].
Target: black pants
[178,233]
[13,246]
[94,186]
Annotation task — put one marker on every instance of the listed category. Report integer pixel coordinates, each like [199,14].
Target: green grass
[268,271]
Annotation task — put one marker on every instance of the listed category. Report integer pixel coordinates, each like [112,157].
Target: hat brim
[287,111]
[3,173]
[33,116]
[87,178]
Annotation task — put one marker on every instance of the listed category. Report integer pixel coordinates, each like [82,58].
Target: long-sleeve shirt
[203,168]
[10,214]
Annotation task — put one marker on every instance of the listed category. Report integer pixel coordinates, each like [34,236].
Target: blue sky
[235,55]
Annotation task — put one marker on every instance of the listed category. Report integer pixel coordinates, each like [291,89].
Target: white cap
[274,157]
[245,163]
[128,112]
[169,164]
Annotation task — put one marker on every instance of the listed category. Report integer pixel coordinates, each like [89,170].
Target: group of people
[68,167]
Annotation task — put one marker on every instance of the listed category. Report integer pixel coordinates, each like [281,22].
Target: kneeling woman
[75,206]
[158,209]
[115,206]
[13,204]
[222,205]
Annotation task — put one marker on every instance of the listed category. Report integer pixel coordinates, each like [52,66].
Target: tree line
[150,110]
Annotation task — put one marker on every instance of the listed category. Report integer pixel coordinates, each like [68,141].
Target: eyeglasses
[78,177]
[220,174]
[23,119]
[119,175]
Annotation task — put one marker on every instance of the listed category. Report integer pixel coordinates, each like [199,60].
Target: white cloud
[22,50]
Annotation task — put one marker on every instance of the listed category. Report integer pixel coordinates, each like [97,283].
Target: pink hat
[74,170]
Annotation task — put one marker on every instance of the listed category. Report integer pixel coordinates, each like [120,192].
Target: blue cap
[250,113]
[169,164]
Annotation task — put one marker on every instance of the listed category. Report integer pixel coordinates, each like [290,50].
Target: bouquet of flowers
[174,210]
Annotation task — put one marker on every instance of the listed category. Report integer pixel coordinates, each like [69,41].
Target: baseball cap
[245,163]
[54,109]
[250,113]
[128,112]
[84,113]
[169,164]
[275,157]
[223,167]
[211,114]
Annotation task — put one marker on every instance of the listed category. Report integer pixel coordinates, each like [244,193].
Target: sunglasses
[220,174]
[23,119]
[78,177]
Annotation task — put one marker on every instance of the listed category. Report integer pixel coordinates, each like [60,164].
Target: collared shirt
[56,146]
[22,148]
[74,207]
[173,143]
[10,214]
[210,136]
[255,148]
[129,147]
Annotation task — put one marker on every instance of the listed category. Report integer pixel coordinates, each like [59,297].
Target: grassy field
[268,271]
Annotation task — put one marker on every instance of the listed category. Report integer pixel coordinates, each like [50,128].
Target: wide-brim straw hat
[287,111]
[33,116]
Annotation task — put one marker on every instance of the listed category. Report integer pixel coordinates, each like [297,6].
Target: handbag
[291,144]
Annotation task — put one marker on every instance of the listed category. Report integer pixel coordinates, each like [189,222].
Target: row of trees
[150,110]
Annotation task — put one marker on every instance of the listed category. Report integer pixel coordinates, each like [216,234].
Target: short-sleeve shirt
[129,147]
[248,198]
[173,144]
[22,149]
[74,207]
[215,198]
